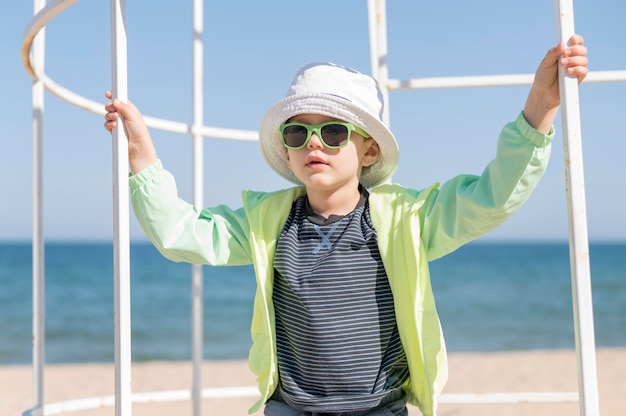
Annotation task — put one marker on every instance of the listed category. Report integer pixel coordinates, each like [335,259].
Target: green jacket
[413,227]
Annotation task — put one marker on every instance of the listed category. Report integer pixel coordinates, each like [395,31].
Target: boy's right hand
[141,151]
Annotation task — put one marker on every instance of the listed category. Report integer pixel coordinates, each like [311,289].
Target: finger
[117,106]
[581,76]
[108,94]
[550,59]
[111,116]
[552,56]
[558,49]
[576,40]
[125,107]
[577,67]
[110,125]
[579,71]
[127,110]
[575,62]
[576,50]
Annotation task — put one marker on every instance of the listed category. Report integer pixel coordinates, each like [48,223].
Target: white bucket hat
[338,92]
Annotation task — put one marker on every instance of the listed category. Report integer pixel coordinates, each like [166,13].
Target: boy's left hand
[573,58]
[544,98]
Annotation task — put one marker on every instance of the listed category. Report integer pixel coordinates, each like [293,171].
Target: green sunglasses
[333,134]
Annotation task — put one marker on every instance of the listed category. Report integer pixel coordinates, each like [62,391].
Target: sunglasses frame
[317,129]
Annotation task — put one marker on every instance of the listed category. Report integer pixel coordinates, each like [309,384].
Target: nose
[315,142]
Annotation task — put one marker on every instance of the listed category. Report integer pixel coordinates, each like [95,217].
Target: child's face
[321,168]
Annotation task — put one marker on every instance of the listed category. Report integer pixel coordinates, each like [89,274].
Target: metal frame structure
[33,46]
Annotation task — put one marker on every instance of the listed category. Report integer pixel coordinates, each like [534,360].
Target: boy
[344,316]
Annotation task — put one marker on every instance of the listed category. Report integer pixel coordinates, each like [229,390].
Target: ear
[371,153]
[288,159]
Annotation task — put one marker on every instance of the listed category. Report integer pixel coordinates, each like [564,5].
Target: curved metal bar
[252,391]
[53,9]
[47,13]
[98,402]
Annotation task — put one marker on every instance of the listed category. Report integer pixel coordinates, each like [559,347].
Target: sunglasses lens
[294,136]
[335,135]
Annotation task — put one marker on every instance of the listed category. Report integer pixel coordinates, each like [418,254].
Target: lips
[314,160]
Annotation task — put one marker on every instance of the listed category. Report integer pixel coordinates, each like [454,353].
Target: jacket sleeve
[216,236]
[468,206]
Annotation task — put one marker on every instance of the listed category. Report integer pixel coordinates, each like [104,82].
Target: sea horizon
[491,296]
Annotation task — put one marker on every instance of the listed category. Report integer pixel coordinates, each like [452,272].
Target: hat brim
[333,106]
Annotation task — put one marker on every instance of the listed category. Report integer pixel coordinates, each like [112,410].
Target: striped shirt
[337,338]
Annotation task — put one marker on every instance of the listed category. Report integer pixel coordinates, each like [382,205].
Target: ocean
[490,297]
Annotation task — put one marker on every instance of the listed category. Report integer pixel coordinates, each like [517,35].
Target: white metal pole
[578,239]
[372,22]
[121,238]
[377,19]
[197,310]
[38,247]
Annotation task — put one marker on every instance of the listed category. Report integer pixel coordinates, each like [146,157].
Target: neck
[336,202]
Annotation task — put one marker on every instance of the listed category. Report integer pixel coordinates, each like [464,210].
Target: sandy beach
[505,372]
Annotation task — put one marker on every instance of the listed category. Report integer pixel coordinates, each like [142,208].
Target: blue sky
[252,50]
